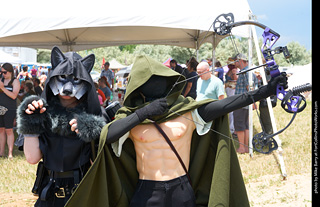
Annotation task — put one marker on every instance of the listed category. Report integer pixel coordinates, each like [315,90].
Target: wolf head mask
[69,79]
[70,76]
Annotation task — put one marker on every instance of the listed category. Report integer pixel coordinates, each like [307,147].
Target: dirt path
[268,191]
[17,199]
[271,191]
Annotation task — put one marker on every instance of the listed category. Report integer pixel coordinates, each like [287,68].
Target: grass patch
[16,175]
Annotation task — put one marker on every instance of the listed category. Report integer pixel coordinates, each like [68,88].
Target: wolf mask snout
[67,89]
[68,86]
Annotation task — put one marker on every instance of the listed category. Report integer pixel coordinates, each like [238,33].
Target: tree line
[225,49]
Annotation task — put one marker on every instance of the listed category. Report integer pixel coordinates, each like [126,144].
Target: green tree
[299,54]
[158,52]
[43,56]
[129,48]
[181,54]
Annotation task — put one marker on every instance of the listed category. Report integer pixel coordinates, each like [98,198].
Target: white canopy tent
[124,71]
[113,23]
[5,57]
[114,64]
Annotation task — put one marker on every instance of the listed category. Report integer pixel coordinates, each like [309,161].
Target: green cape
[214,168]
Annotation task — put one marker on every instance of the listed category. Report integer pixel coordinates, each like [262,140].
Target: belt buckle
[61,193]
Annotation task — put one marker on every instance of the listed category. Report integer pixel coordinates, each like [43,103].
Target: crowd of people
[203,81]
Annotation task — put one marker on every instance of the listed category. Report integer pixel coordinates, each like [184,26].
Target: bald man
[208,85]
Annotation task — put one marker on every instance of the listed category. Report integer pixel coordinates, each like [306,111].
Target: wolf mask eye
[62,77]
[76,80]
[67,78]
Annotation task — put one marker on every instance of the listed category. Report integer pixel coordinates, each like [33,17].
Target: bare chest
[175,130]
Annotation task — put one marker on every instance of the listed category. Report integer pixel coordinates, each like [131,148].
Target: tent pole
[251,88]
[197,50]
[213,50]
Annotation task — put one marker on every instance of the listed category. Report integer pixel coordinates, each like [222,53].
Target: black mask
[154,88]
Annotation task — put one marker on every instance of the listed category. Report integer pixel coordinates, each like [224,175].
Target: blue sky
[290,18]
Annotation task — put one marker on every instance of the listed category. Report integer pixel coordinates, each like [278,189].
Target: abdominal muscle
[155,159]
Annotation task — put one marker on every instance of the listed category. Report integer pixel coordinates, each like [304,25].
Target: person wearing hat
[9,89]
[241,116]
[230,87]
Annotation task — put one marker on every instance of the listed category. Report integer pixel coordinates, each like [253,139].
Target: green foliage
[299,54]
[225,49]
[43,56]
[181,55]
[129,48]
[158,52]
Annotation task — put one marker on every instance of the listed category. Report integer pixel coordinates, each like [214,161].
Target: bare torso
[155,159]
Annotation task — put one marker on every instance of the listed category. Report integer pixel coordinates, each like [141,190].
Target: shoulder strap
[173,149]
[10,83]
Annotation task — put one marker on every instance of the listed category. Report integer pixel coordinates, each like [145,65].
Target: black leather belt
[60,192]
[68,174]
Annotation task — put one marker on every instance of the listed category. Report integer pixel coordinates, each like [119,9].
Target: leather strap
[46,190]
[173,149]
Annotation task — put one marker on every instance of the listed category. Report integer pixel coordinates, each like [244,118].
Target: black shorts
[6,120]
[172,193]
[241,119]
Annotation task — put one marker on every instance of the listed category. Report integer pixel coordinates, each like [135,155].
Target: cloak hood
[142,70]
[72,63]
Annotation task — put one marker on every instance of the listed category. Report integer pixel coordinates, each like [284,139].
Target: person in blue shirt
[219,71]
[102,82]
[208,85]
[109,74]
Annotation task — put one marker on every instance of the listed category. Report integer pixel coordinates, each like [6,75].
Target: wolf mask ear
[56,57]
[88,62]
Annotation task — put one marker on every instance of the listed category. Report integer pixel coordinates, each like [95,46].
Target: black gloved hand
[155,108]
[282,80]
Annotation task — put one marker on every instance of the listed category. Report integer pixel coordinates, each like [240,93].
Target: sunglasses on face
[3,72]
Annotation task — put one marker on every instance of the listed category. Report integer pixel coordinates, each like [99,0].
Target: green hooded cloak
[214,168]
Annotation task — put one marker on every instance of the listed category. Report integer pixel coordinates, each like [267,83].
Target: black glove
[34,123]
[155,108]
[271,88]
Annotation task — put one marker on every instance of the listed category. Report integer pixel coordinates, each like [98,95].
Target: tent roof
[97,24]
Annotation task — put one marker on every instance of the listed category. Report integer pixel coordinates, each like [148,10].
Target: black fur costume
[64,152]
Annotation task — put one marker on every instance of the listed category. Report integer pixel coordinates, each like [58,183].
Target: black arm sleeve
[216,109]
[118,128]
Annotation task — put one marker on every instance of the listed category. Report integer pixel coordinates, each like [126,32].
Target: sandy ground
[17,199]
[272,191]
[268,190]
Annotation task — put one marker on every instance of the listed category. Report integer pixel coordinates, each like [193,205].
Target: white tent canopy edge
[179,23]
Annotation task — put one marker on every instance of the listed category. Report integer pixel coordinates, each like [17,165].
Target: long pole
[250,88]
